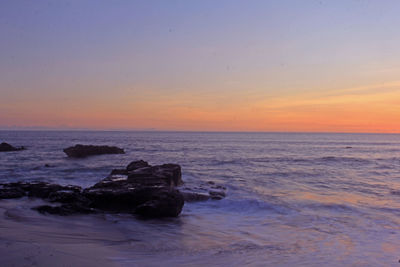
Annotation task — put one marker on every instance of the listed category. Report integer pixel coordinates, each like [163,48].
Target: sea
[292,199]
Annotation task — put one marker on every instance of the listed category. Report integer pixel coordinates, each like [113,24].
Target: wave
[253,206]
[306,160]
[332,207]
[344,160]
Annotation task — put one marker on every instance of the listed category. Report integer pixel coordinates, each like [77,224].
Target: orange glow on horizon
[365,109]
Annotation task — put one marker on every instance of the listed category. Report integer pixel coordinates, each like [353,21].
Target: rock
[4,147]
[216,194]
[59,210]
[134,165]
[81,151]
[167,203]
[6,193]
[66,209]
[142,189]
[119,172]
[67,196]
[194,196]
[44,190]
[118,199]
[36,189]
[140,173]
[146,201]
[165,175]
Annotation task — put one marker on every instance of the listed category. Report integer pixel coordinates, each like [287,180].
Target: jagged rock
[140,173]
[136,165]
[146,201]
[145,190]
[119,172]
[35,189]
[142,189]
[167,203]
[6,193]
[118,199]
[81,151]
[166,174]
[4,147]
[67,196]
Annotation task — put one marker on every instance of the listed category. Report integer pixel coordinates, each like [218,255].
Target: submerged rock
[204,191]
[65,209]
[195,196]
[81,151]
[5,147]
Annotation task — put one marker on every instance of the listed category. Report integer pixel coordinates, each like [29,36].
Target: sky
[226,65]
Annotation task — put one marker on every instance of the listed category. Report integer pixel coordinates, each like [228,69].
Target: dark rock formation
[146,201]
[11,192]
[140,189]
[81,151]
[134,165]
[148,191]
[166,175]
[4,147]
[35,189]
[140,173]
[165,203]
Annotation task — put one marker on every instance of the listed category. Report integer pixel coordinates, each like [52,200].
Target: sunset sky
[226,65]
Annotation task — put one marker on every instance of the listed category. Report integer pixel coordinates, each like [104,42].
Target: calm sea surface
[292,199]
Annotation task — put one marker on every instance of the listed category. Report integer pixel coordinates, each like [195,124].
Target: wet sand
[31,239]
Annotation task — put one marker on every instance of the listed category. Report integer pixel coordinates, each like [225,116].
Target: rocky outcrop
[4,147]
[81,151]
[142,189]
[140,173]
[134,165]
[145,201]
[42,190]
[145,190]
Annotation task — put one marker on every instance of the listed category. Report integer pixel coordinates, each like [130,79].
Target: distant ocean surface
[293,199]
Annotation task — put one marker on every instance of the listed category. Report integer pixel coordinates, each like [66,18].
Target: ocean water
[293,199]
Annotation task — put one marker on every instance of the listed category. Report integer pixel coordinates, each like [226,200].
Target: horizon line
[39,129]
